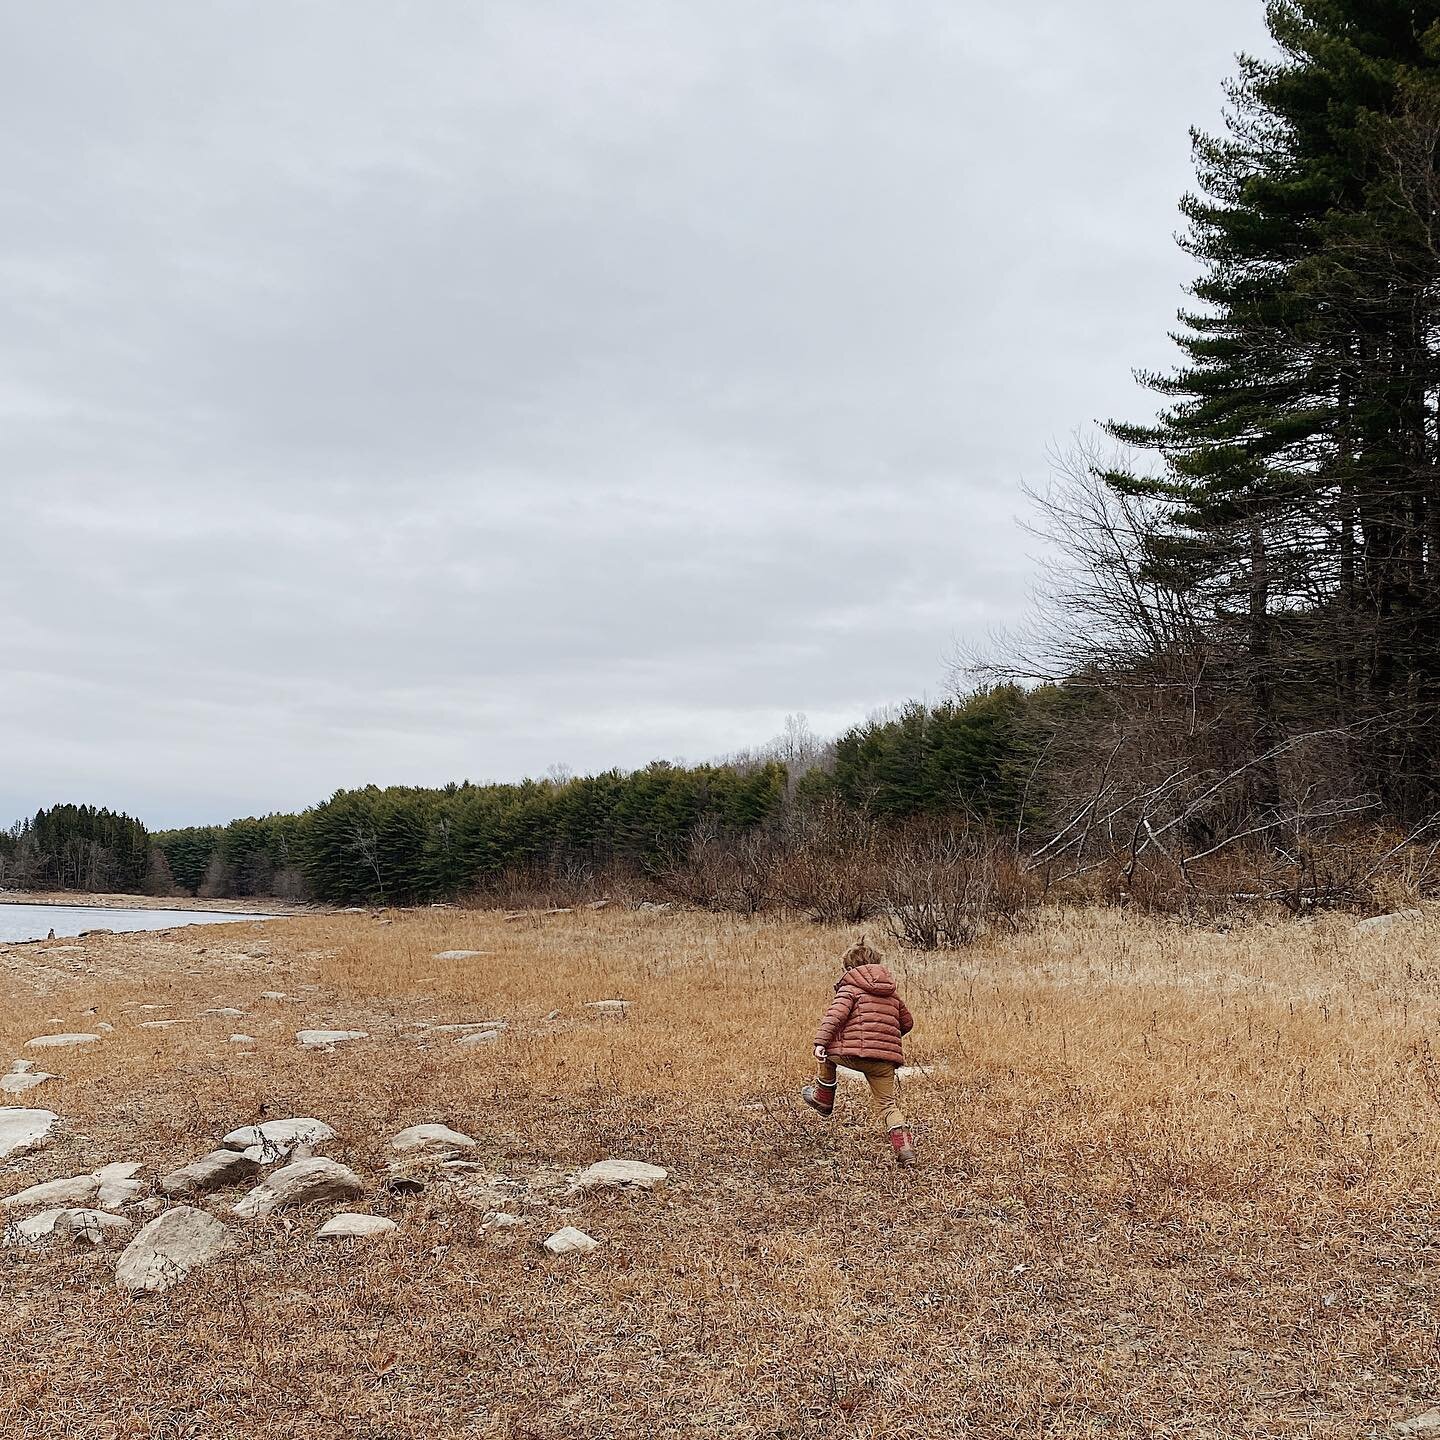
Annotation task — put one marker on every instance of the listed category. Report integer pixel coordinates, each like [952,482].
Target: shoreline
[81,900]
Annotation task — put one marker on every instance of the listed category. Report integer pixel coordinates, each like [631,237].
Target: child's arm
[835,1017]
[907,1020]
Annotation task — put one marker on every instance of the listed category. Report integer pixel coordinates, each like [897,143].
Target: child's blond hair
[860,953]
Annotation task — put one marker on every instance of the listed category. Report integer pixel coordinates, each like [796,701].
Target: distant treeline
[406,845]
[76,847]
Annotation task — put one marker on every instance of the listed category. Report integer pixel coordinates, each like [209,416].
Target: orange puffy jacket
[867,1017]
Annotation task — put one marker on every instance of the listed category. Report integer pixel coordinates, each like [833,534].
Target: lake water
[35,922]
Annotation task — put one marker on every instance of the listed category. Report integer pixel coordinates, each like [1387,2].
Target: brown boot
[903,1146]
[820,1097]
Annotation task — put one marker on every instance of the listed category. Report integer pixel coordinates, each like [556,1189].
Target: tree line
[411,845]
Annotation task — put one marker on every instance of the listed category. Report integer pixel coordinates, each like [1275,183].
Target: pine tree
[1299,438]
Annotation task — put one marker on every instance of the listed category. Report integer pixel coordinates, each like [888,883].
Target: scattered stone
[276,1138]
[599,904]
[31,1230]
[432,1137]
[608,1007]
[464,1027]
[168,1248]
[480,1037]
[150,1205]
[105,1027]
[303,1182]
[209,1172]
[242,1040]
[1381,923]
[658,907]
[73,1190]
[273,995]
[1426,1424]
[227,1012]
[117,1185]
[355,1227]
[619,1175]
[328,1039]
[91,1226]
[51,1042]
[17,1082]
[570,1241]
[460,954]
[22,1130]
[502,1221]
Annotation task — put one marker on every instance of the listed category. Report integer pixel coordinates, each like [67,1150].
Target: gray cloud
[409,392]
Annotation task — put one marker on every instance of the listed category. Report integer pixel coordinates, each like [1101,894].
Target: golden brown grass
[1173,1182]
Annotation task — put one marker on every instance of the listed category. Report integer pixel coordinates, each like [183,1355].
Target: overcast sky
[405,392]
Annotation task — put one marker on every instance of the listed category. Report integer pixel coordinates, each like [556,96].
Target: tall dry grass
[1173,1182]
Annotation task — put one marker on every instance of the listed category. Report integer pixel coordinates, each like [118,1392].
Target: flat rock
[279,1137]
[273,995]
[168,1248]
[117,1185]
[210,1172]
[22,1130]
[32,1229]
[619,1175]
[92,1227]
[242,1039]
[303,1182]
[17,1083]
[1426,1424]
[431,1137]
[55,1042]
[570,1241]
[229,1012]
[355,1227]
[460,954]
[72,1190]
[1380,923]
[22,1067]
[478,1037]
[502,1221]
[325,1039]
[608,1007]
[161,1024]
[463,1027]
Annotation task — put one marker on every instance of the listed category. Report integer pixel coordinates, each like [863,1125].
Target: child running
[862,1030]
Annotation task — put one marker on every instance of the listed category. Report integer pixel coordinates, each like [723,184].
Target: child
[862,1030]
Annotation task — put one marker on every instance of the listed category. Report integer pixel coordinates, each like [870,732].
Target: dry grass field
[1173,1182]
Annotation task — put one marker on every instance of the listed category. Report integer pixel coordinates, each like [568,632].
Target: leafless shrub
[830,866]
[947,882]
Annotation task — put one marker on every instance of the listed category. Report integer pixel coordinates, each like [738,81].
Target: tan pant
[880,1074]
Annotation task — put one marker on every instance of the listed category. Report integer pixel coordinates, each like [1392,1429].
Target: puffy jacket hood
[872,979]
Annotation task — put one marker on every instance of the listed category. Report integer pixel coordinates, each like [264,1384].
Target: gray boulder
[22,1130]
[431,1138]
[1379,924]
[169,1248]
[327,1039]
[276,1138]
[304,1182]
[570,1241]
[619,1175]
[355,1227]
[210,1172]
